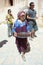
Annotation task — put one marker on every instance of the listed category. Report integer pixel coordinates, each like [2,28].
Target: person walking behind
[31,18]
[9,19]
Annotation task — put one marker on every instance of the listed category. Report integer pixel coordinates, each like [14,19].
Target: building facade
[38,5]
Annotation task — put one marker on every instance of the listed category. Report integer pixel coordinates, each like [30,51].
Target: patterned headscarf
[20,13]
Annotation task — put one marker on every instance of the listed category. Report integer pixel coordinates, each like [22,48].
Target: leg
[23,56]
[32,34]
[35,29]
[9,30]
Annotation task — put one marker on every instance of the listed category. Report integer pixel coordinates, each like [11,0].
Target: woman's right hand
[15,34]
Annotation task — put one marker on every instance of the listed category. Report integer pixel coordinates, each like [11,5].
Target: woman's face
[9,12]
[22,18]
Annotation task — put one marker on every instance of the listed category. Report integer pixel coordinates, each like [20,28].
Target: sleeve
[28,28]
[16,24]
[14,29]
[28,12]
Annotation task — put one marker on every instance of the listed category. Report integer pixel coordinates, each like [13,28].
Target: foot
[9,35]
[23,57]
[35,36]
[30,38]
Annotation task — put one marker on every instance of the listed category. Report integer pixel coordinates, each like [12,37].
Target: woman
[20,25]
[9,18]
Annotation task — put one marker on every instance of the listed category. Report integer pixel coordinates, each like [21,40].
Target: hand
[15,34]
[36,17]
[29,33]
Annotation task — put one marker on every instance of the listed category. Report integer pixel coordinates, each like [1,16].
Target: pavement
[9,54]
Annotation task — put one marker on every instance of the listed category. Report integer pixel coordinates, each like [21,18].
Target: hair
[18,15]
[31,3]
[9,10]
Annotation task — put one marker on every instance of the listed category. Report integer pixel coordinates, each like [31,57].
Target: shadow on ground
[3,42]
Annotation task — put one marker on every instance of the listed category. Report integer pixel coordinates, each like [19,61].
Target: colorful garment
[9,24]
[20,26]
[9,18]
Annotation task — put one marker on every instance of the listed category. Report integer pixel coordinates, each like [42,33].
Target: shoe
[35,36]
[9,35]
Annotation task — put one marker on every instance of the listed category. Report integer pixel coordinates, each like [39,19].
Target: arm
[14,28]
[6,17]
[12,16]
[28,30]
[14,32]
[28,14]
[28,17]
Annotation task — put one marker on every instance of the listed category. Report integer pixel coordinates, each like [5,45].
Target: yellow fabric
[9,19]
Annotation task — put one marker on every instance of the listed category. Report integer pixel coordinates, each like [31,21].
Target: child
[20,25]
[9,18]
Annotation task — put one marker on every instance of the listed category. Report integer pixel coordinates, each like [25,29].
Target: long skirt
[21,44]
